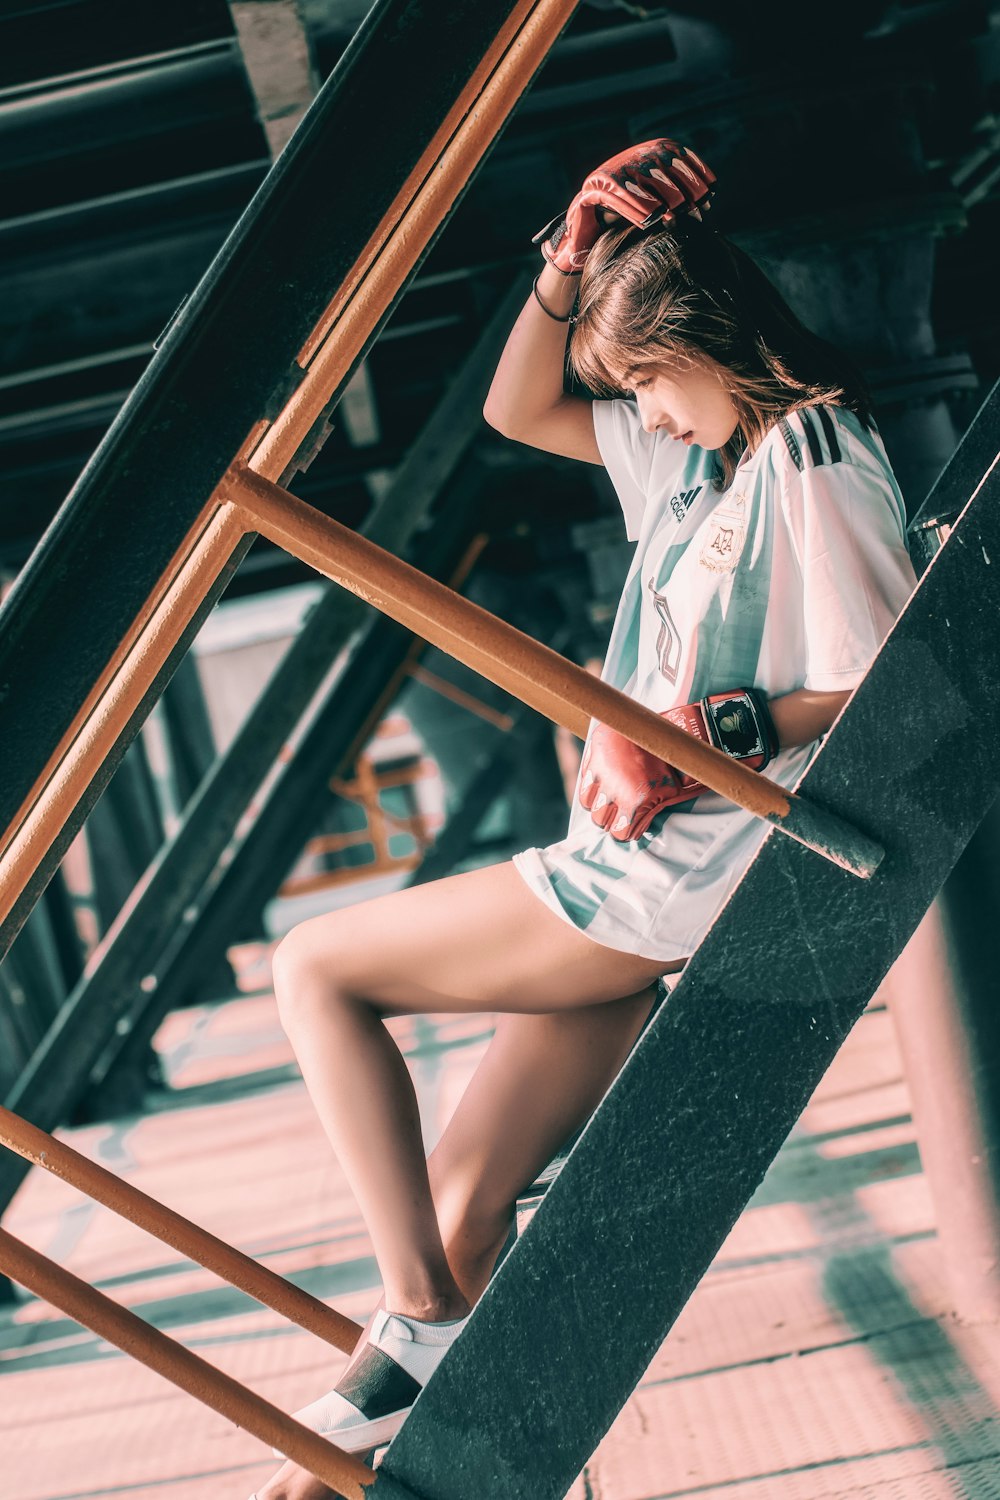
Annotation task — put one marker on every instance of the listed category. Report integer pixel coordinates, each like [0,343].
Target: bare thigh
[480,941]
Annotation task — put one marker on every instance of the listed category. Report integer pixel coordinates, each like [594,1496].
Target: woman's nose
[647,414]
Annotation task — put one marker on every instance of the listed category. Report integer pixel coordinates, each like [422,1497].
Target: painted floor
[814,1361]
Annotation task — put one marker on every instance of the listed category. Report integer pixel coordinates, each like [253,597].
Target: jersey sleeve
[847,534]
[626,450]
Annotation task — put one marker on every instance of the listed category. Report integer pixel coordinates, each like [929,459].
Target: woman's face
[691,404]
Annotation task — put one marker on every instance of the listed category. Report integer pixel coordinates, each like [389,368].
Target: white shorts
[656,897]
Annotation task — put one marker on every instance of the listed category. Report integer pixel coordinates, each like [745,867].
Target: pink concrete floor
[817,1358]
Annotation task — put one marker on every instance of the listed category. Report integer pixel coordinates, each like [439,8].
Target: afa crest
[725,535]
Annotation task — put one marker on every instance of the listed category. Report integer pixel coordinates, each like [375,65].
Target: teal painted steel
[584,1299]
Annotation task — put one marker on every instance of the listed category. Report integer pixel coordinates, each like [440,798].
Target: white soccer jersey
[790,578]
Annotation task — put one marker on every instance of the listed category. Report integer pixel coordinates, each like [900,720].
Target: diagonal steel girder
[177,897]
[249,370]
[285,813]
[683,1138]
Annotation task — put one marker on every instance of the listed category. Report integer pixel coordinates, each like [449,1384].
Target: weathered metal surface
[262,315]
[717,1081]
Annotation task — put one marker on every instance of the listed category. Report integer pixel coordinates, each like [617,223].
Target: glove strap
[740,723]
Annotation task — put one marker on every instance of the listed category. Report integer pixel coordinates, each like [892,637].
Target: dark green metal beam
[83,1034]
[228,361]
[685,1135]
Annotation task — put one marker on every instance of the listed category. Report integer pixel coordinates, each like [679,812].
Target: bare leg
[474,942]
[540,1080]
[570,1010]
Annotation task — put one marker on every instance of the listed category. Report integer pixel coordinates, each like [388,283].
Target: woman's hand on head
[643,185]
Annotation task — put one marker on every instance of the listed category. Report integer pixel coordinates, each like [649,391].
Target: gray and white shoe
[373,1397]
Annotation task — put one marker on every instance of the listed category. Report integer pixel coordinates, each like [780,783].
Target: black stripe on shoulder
[790,443]
[830,428]
[378,1386]
[815,446]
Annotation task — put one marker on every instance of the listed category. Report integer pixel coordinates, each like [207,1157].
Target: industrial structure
[260,259]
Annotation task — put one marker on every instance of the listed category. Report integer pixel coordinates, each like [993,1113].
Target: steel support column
[943,994]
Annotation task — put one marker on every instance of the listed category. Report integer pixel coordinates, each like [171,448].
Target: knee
[298,976]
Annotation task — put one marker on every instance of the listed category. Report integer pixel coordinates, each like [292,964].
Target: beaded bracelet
[569,318]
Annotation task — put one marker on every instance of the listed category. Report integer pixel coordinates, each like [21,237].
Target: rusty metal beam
[541,678]
[263,314]
[173,1229]
[347,1475]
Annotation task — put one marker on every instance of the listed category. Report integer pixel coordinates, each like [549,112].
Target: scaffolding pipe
[173,1229]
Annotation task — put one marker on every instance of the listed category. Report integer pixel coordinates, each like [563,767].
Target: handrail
[173,1229]
[340,335]
[540,677]
[341,1471]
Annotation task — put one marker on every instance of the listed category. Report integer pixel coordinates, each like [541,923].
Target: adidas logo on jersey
[681,504]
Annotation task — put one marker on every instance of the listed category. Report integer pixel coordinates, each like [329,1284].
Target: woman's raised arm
[527,401]
[643,185]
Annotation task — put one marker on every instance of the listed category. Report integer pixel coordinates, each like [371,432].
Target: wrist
[740,723]
[550,312]
[558,287]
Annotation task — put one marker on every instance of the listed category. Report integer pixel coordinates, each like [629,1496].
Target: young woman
[771,562]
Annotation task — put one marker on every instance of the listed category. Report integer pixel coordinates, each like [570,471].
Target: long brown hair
[684,293]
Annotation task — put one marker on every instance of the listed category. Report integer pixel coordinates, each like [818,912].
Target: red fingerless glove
[644,184]
[623,787]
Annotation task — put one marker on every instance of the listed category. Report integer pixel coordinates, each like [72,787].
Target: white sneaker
[373,1397]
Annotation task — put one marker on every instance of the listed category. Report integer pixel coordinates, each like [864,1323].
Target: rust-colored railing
[345,1474]
[356,308]
[55,1156]
[248,500]
[540,677]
